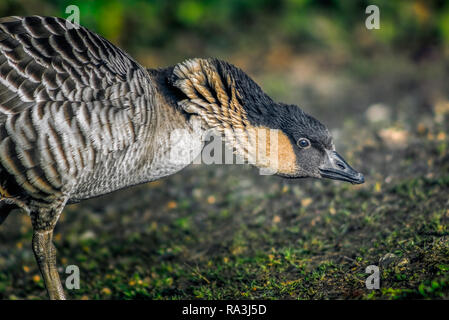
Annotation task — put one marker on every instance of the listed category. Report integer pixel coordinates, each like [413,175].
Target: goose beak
[336,168]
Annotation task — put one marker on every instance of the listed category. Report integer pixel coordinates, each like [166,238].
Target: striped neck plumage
[229,102]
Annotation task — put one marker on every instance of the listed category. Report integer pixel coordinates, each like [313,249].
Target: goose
[80,118]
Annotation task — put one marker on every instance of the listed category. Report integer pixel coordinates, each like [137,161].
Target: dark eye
[303,143]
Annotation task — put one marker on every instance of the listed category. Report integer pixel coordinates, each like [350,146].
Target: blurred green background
[175,29]
[225,232]
[292,47]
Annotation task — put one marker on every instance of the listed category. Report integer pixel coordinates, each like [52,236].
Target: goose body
[80,118]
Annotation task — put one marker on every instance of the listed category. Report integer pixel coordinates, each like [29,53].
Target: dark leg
[45,253]
[44,250]
[5,209]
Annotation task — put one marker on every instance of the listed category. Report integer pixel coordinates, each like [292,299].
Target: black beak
[335,167]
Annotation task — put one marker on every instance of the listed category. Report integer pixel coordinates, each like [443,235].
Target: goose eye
[303,143]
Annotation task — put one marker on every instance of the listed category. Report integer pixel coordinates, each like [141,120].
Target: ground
[226,232]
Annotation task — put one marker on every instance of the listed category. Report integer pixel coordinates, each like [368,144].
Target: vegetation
[221,27]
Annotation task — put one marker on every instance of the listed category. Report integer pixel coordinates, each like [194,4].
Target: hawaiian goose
[80,118]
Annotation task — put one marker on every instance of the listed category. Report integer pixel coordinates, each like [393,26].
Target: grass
[273,244]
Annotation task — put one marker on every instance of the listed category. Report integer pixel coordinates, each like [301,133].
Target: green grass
[253,245]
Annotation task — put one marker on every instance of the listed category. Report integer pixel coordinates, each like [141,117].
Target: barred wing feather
[66,95]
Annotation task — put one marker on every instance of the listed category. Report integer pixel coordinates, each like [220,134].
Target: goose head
[281,139]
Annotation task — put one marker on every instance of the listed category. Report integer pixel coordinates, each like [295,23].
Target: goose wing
[67,95]
[51,59]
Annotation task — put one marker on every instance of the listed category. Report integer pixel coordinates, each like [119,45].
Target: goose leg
[44,222]
[45,254]
[5,209]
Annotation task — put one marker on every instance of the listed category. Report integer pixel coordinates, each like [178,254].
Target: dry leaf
[306,202]
[394,137]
